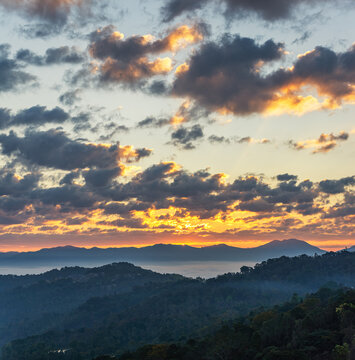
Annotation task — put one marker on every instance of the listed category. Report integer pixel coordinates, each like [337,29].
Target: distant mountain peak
[219,246]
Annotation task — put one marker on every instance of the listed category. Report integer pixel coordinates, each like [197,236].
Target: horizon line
[155,244]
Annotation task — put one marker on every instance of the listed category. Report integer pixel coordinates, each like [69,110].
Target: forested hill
[33,303]
[305,270]
[123,274]
[321,327]
[172,310]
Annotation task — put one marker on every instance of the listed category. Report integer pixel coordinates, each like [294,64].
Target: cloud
[53,56]
[11,75]
[129,60]
[250,140]
[286,177]
[214,139]
[101,177]
[166,196]
[12,184]
[69,98]
[174,8]
[324,144]
[52,11]
[69,197]
[228,77]
[187,112]
[153,122]
[271,10]
[336,186]
[185,137]
[343,209]
[157,87]
[53,149]
[224,76]
[35,115]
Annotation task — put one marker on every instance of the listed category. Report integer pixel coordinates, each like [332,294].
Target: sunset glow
[178,123]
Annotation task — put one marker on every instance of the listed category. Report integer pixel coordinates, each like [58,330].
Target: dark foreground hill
[33,303]
[167,311]
[321,327]
[69,255]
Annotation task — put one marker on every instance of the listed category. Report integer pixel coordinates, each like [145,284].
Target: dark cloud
[132,223]
[174,8]
[34,116]
[342,209]
[112,129]
[336,186]
[185,137]
[69,98]
[270,10]
[12,77]
[157,172]
[39,115]
[153,122]
[101,177]
[81,121]
[259,205]
[286,177]
[69,178]
[227,77]
[157,87]
[224,76]
[213,139]
[305,36]
[55,150]
[69,197]
[10,184]
[53,56]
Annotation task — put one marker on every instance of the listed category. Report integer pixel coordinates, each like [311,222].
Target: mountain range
[69,255]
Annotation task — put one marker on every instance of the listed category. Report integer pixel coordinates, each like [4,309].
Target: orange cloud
[128,60]
[141,69]
[182,37]
[181,115]
[324,144]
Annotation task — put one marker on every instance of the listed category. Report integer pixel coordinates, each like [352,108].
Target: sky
[192,122]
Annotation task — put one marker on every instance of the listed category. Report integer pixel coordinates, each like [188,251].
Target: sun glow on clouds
[73,183]
[323,144]
[129,60]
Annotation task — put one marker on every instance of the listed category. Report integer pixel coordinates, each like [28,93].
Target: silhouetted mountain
[170,309]
[351,249]
[69,255]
